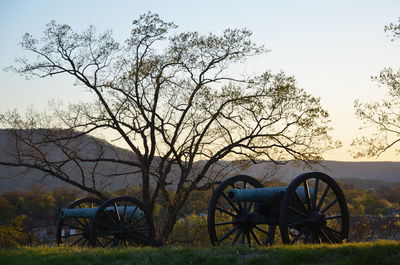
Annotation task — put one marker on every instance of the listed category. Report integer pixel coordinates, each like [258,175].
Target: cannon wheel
[113,228]
[319,216]
[80,226]
[226,219]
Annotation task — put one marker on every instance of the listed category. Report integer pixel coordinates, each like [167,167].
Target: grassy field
[379,253]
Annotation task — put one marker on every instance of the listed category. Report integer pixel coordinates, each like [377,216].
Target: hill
[381,171]
[360,174]
[13,178]
[369,184]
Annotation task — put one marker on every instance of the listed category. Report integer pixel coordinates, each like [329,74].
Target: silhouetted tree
[383,116]
[175,102]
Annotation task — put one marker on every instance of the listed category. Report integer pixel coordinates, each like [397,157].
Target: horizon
[231,160]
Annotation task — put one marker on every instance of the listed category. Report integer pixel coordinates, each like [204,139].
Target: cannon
[119,221]
[311,209]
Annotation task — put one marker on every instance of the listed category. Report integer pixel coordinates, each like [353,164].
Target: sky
[332,48]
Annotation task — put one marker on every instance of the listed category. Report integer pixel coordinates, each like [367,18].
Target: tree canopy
[176,102]
[382,116]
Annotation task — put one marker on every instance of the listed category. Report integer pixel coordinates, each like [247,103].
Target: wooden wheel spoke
[334,231]
[256,237]
[230,232]
[248,239]
[225,211]
[99,242]
[224,223]
[333,235]
[237,235]
[84,242]
[325,235]
[317,238]
[300,200]
[322,199]
[230,202]
[86,222]
[135,231]
[133,213]
[82,224]
[133,243]
[250,206]
[333,217]
[77,241]
[307,194]
[329,205]
[137,221]
[138,236]
[297,237]
[116,211]
[109,217]
[110,240]
[240,205]
[297,212]
[315,193]
[261,230]
[242,238]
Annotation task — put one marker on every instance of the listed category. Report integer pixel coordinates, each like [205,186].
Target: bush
[190,230]
[13,235]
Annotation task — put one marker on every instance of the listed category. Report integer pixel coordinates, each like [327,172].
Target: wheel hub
[317,220]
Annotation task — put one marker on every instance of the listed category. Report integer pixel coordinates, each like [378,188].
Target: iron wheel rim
[321,216]
[238,232]
[81,238]
[115,229]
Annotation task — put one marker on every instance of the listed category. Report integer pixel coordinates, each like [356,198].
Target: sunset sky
[331,47]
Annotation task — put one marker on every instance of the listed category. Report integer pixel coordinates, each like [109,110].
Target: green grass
[379,253]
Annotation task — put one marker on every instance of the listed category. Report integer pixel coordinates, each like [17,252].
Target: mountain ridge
[385,172]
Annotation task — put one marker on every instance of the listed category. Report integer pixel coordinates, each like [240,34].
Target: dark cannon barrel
[131,212]
[118,221]
[262,195]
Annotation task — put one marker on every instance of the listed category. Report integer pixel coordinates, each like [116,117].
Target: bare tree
[175,102]
[383,116]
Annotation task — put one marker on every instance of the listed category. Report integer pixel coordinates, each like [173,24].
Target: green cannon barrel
[132,212]
[262,195]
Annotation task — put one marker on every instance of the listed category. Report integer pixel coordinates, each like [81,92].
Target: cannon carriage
[119,221]
[312,209]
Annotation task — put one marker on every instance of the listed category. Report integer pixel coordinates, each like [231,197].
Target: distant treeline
[23,212]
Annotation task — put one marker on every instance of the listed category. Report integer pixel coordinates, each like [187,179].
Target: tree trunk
[146,188]
[168,226]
